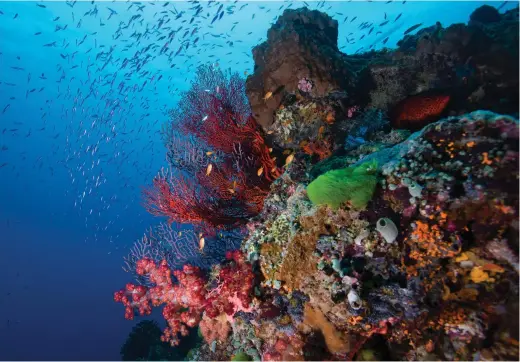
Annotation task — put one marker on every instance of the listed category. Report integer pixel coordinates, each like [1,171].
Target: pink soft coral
[186,301]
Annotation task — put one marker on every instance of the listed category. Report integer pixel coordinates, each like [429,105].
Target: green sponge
[355,184]
[241,356]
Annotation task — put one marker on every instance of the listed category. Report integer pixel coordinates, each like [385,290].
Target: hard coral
[427,244]
[304,121]
[301,44]
[320,148]
[299,260]
[216,329]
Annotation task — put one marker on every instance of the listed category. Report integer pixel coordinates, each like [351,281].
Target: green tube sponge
[355,184]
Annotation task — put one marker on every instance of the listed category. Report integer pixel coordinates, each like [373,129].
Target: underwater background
[85,87]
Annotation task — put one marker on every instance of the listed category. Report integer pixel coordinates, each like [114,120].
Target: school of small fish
[96,80]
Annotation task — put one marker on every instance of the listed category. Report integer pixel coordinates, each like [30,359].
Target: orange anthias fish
[289,159]
[202,242]
[415,112]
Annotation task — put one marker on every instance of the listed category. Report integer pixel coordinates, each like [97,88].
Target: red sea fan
[176,198]
[415,112]
[221,167]
[183,201]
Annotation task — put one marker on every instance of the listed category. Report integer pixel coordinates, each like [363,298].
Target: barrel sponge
[355,184]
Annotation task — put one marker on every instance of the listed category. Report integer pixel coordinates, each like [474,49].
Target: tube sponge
[355,184]
[354,300]
[387,229]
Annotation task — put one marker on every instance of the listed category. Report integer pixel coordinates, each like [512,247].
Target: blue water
[80,137]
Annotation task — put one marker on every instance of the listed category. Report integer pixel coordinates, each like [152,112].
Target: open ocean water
[85,87]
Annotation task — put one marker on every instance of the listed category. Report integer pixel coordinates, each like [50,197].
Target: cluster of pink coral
[186,300]
[233,292]
[305,85]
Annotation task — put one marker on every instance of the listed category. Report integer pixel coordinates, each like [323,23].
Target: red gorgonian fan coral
[221,167]
[186,301]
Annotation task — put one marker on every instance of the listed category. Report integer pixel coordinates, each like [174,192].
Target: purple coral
[305,85]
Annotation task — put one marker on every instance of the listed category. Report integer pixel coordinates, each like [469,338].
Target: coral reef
[427,270]
[371,242]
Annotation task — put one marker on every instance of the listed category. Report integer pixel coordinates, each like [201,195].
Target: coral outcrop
[425,264]
[302,83]
[302,44]
[374,243]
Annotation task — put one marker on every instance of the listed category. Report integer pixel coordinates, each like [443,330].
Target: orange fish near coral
[202,242]
[268,95]
[289,159]
[208,169]
[233,187]
[415,112]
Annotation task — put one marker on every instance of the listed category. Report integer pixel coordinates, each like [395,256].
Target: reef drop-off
[391,230]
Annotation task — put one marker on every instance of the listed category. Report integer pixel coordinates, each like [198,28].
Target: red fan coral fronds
[221,127]
[177,200]
[415,112]
[227,183]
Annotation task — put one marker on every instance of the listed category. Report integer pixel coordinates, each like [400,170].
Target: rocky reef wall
[435,73]
[392,233]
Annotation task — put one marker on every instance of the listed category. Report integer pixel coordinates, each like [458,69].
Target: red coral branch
[174,197]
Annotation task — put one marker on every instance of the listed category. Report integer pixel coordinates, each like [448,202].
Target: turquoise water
[84,89]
